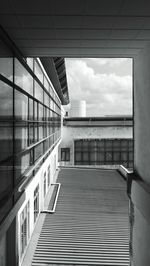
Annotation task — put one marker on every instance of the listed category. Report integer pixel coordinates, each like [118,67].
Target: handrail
[124,171]
[22,186]
[56,199]
[128,175]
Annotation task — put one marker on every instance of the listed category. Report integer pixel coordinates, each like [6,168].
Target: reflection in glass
[40,112]
[30,109]
[21,136]
[6,67]
[38,92]
[40,132]
[36,135]
[46,99]
[35,110]
[22,163]
[38,151]
[31,133]
[6,101]
[46,84]
[23,78]
[30,62]
[21,106]
[38,72]
[6,140]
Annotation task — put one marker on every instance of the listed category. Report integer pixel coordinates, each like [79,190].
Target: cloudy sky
[105,84]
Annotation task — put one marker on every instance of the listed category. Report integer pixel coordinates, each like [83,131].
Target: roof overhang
[77,28]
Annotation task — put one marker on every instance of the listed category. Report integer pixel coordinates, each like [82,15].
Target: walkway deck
[90,226]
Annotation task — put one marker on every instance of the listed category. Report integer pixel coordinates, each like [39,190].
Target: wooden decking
[90,225]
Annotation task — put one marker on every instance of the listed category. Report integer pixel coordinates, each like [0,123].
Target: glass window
[24,228]
[44,184]
[21,106]
[40,112]
[36,203]
[46,99]
[116,156]
[40,132]
[6,101]
[6,140]
[30,62]
[46,84]
[124,156]
[35,110]
[49,176]
[65,154]
[6,178]
[6,67]
[23,78]
[31,133]
[38,72]
[22,162]
[38,92]
[30,109]
[36,132]
[46,145]
[38,151]
[21,136]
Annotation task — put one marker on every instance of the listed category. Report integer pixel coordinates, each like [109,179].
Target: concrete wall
[71,133]
[142,114]
[140,214]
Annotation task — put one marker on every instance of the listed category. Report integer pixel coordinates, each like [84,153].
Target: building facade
[30,132]
[97,141]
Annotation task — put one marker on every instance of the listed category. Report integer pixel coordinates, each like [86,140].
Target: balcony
[90,225]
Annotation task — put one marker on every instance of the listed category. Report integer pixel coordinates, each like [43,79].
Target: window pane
[35,110]
[22,162]
[46,99]
[78,156]
[6,140]
[23,78]
[38,72]
[40,132]
[38,151]
[100,156]
[6,67]
[21,106]
[124,156]
[30,62]
[38,92]
[46,84]
[108,156]
[31,133]
[6,101]
[40,112]
[116,156]
[21,136]
[30,109]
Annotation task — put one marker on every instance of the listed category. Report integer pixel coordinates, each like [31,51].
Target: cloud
[105,93]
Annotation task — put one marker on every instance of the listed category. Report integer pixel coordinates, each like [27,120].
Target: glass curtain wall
[104,152]
[30,121]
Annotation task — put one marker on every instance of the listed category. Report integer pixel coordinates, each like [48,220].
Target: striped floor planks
[90,225]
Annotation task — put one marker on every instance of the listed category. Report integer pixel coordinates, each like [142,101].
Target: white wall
[71,133]
[51,161]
